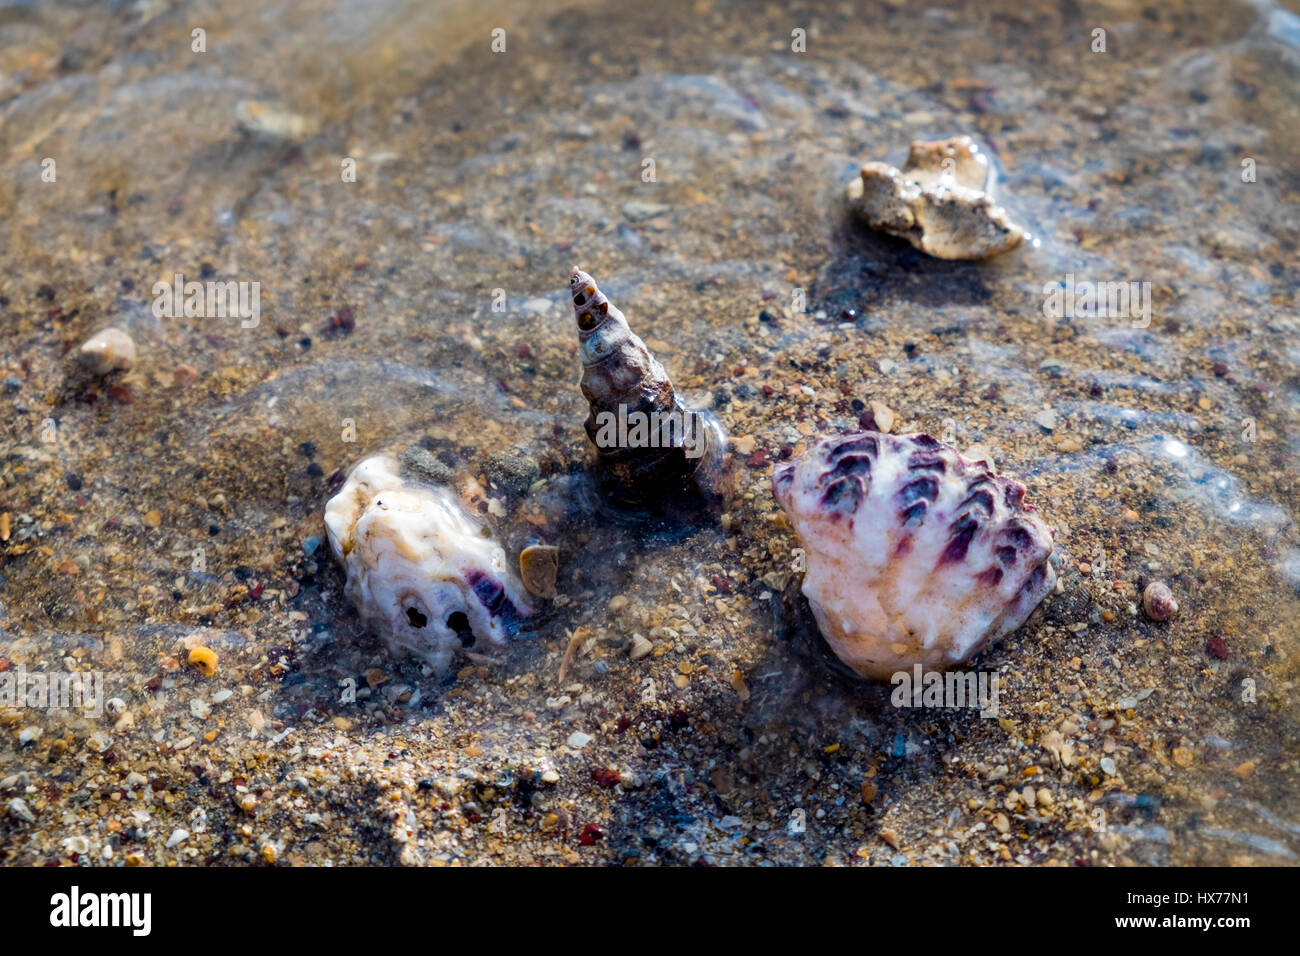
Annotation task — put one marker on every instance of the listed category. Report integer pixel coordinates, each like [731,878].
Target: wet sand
[179,504]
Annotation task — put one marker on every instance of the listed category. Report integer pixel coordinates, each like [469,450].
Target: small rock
[550,776]
[18,807]
[1046,419]
[107,351]
[273,121]
[421,464]
[178,837]
[538,566]
[76,844]
[449,786]
[536,306]
[640,647]
[29,735]
[1158,601]
[577,740]
[636,211]
[512,472]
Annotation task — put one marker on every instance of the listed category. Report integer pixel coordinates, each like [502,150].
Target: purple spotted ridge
[915,554]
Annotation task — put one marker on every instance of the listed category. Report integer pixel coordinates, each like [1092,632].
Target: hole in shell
[459,623]
[415,617]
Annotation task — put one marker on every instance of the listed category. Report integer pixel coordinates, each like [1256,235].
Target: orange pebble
[205,659]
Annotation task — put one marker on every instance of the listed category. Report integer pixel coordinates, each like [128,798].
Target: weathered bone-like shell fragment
[420,571]
[941,201]
[915,554]
[646,439]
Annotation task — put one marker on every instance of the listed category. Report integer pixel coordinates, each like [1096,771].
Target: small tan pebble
[268,853]
[1182,756]
[550,776]
[868,789]
[108,350]
[1130,515]
[1002,824]
[151,518]
[342,723]
[738,685]
[1158,601]
[884,416]
[538,566]
[4,526]
[134,859]
[1244,770]
[204,659]
[1045,796]
[743,445]
[640,647]
[617,603]
[1069,446]
[183,376]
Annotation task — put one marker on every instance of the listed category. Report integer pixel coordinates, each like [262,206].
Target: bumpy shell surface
[915,554]
[420,571]
[620,377]
[940,201]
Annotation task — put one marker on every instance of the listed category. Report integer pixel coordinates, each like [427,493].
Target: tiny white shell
[108,350]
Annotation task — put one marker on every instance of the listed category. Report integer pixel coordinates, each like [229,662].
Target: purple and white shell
[915,554]
[422,573]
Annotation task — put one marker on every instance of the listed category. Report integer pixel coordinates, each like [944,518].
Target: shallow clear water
[481,178]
